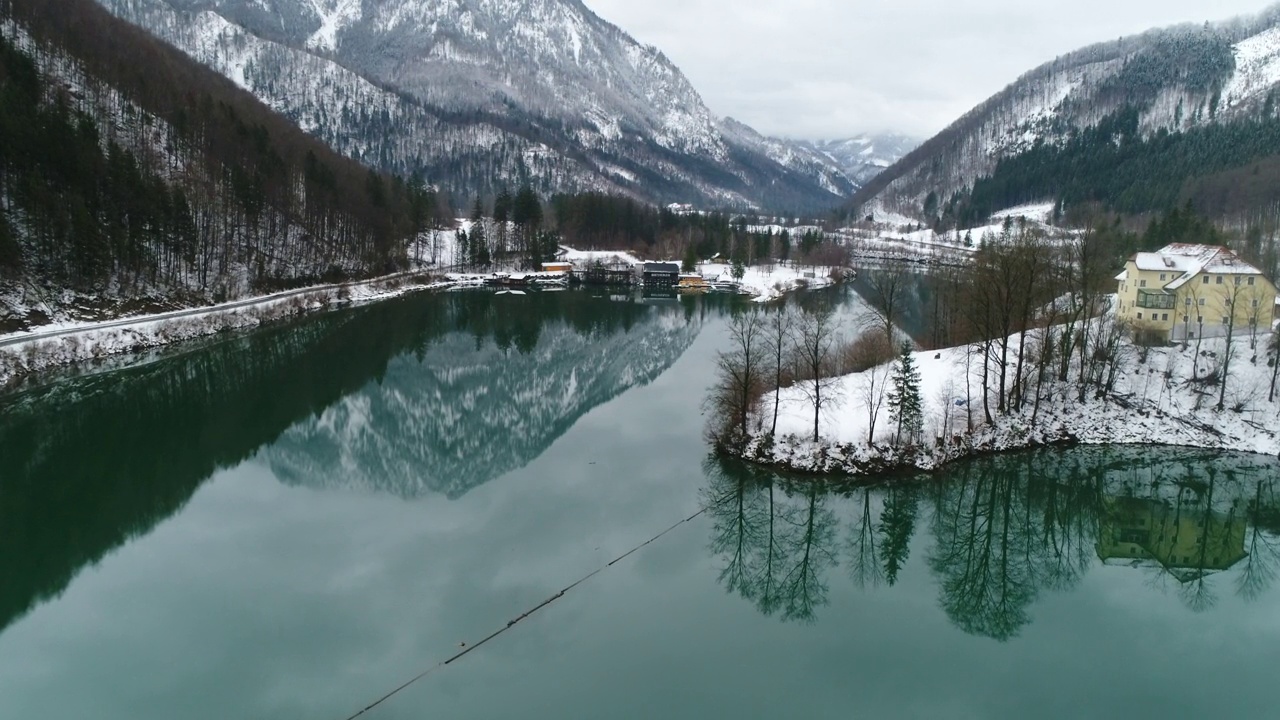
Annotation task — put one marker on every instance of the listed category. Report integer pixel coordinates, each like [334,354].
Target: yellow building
[1188,291]
[1186,541]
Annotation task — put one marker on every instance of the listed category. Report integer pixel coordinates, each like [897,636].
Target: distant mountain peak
[480,93]
[862,157]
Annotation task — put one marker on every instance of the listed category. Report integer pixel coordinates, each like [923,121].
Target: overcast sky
[817,69]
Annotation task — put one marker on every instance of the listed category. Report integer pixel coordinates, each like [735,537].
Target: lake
[292,523]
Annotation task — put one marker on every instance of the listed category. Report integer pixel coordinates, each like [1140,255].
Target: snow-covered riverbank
[1154,402]
[26,353]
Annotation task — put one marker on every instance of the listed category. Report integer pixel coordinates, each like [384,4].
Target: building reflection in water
[1184,541]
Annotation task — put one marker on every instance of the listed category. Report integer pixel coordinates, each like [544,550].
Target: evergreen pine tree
[690,263]
[479,242]
[905,405]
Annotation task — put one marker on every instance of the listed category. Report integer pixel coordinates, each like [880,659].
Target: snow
[1145,409]
[582,258]
[575,41]
[1257,68]
[97,341]
[333,17]
[1039,212]
[770,282]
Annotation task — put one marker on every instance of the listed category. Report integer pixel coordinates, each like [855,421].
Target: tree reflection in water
[1003,530]
[777,538]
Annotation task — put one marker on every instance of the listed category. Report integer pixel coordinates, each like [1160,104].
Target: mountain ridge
[1177,79]
[549,92]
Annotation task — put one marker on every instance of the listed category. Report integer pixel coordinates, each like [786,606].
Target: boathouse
[659,274]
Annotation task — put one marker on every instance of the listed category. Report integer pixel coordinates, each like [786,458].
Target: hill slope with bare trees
[131,174]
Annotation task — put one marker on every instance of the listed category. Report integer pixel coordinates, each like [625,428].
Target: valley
[549,358]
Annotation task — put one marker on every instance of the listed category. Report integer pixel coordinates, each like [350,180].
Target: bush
[870,349]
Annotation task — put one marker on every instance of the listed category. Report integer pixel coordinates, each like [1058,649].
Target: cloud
[830,68]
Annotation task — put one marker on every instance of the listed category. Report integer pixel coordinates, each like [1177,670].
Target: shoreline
[837,462]
[1156,404]
[26,354]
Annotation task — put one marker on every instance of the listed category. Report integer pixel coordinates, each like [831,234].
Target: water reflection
[464,411]
[93,462]
[1003,531]
[778,539]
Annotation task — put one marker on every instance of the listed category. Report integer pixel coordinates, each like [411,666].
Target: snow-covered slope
[461,416]
[477,93]
[1178,79]
[865,156]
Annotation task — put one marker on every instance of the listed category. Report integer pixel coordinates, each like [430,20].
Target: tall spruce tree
[690,263]
[905,405]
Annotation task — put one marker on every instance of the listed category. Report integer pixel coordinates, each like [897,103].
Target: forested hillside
[128,170]
[1113,165]
[1138,126]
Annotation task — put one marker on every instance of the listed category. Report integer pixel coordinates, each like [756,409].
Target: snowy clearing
[770,282]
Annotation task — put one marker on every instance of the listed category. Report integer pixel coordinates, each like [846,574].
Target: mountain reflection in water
[997,533]
[92,462]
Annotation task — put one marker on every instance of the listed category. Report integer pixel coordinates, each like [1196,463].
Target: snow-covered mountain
[478,93]
[865,156]
[1176,79]
[462,414]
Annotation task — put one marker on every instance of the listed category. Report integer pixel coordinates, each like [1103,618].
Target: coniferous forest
[126,168]
[1114,165]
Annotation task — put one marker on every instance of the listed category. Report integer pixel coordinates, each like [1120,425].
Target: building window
[1139,315]
[1186,318]
[1251,280]
[1164,317]
[1206,279]
[1255,303]
[1219,279]
[1187,302]
[1142,283]
[1199,319]
[1162,276]
[1239,280]
[1202,302]
[1226,320]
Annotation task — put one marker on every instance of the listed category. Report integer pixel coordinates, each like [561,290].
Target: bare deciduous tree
[816,333]
[887,288]
[778,330]
[739,382]
[871,355]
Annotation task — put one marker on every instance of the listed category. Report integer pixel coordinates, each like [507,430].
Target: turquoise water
[294,522]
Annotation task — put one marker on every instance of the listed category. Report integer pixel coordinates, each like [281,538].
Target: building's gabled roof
[661,267]
[1186,261]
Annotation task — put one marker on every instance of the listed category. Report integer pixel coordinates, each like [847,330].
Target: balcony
[1156,300]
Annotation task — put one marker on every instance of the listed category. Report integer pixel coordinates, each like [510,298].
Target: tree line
[524,229]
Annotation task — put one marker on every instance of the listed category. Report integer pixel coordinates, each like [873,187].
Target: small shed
[659,274]
[693,281]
